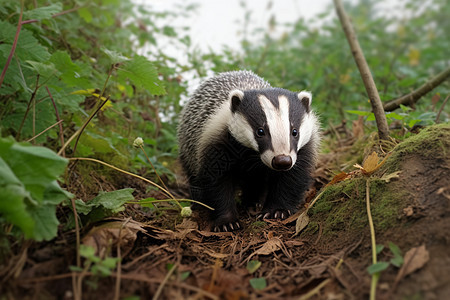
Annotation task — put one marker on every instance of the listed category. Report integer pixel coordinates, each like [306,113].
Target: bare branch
[414,96]
[369,83]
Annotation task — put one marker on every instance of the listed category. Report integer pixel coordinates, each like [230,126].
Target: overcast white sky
[217,22]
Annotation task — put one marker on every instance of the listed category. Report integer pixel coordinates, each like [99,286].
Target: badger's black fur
[238,131]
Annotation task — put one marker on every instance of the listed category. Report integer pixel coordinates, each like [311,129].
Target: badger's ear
[235,97]
[306,98]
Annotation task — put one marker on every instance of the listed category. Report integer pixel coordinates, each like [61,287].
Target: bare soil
[175,258]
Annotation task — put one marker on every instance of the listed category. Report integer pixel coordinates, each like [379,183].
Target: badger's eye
[294,132]
[260,132]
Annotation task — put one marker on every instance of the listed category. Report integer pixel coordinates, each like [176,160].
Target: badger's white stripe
[278,123]
[241,130]
[214,127]
[279,127]
[308,127]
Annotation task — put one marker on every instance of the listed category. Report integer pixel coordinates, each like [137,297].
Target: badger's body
[238,131]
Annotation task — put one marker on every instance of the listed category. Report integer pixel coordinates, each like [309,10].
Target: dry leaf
[370,164]
[388,177]
[339,177]
[414,259]
[408,211]
[358,127]
[302,222]
[102,237]
[272,245]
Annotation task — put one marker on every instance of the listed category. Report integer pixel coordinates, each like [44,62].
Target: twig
[44,131]
[375,276]
[364,70]
[96,111]
[85,124]
[61,134]
[33,95]
[441,109]
[163,283]
[14,45]
[415,95]
[119,264]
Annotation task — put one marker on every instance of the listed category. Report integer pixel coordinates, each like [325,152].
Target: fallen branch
[414,96]
[364,70]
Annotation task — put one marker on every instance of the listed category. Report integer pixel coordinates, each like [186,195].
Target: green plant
[29,190]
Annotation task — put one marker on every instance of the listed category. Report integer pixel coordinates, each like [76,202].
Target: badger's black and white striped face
[274,122]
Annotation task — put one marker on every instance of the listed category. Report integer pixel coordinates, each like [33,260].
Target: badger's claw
[280,214]
[228,227]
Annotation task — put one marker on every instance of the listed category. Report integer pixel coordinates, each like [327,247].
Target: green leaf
[379,248]
[184,275]
[378,267]
[147,202]
[113,200]
[42,69]
[359,113]
[258,283]
[35,167]
[395,249]
[44,12]
[142,73]
[397,260]
[85,13]
[13,195]
[253,265]
[28,188]
[114,56]
[87,251]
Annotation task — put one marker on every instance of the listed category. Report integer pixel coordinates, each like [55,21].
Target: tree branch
[364,70]
[415,95]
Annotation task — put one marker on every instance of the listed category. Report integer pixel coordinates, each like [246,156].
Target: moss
[257,226]
[431,142]
[343,205]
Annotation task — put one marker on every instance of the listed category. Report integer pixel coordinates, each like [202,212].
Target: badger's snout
[282,162]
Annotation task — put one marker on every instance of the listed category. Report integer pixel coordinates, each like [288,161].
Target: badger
[237,131]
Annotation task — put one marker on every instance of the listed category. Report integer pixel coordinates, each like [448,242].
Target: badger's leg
[216,188]
[286,190]
[254,189]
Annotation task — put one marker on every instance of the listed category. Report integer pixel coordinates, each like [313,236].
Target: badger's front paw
[275,213]
[227,227]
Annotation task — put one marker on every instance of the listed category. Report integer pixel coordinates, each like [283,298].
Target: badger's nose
[282,162]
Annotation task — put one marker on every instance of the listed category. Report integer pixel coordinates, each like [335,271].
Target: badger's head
[274,122]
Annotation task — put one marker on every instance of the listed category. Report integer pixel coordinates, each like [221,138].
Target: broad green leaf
[114,56]
[378,267]
[35,167]
[70,72]
[13,196]
[28,188]
[42,69]
[253,265]
[113,200]
[85,13]
[142,73]
[44,12]
[258,283]
[46,223]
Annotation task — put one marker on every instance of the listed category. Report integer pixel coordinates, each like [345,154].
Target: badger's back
[205,104]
